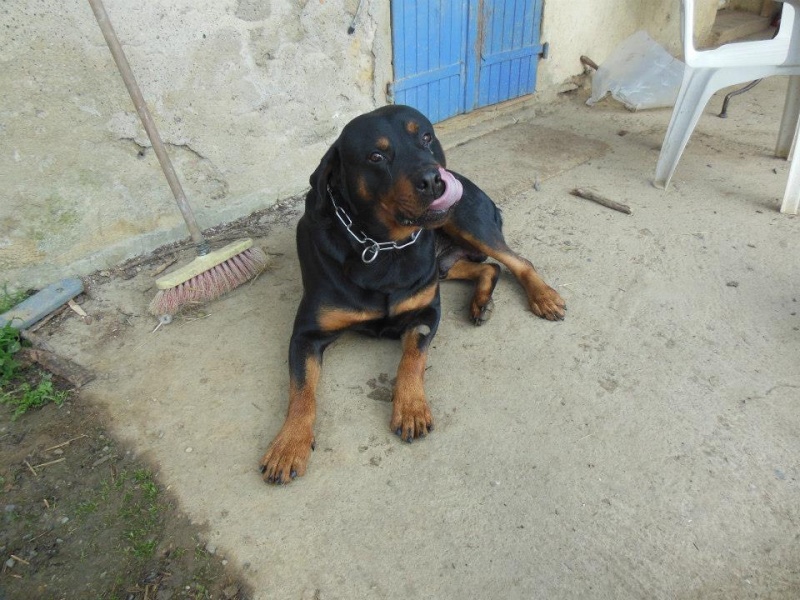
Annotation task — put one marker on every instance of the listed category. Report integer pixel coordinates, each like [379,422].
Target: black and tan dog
[384,222]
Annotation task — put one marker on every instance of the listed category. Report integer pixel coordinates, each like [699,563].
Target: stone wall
[246,93]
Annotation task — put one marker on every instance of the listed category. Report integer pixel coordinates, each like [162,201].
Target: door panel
[452,56]
[429,39]
[510,50]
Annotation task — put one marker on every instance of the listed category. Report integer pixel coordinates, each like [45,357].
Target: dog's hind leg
[476,224]
[485,276]
[543,300]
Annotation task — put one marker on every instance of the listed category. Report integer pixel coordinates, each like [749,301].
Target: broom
[211,274]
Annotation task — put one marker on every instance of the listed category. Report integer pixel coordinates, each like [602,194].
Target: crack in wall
[197,169]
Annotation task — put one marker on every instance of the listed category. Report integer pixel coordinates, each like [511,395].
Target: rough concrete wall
[595,29]
[247,94]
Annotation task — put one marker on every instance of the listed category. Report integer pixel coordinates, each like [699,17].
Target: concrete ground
[646,447]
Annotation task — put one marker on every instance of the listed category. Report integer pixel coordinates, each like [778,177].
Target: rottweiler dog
[384,221]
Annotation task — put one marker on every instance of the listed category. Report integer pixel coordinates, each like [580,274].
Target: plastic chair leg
[791,111]
[694,94]
[791,197]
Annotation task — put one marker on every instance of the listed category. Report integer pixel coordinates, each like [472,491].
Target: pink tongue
[452,191]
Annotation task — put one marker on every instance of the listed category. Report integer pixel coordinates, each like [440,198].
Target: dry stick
[602,200]
[27,464]
[18,559]
[47,464]
[83,435]
[585,60]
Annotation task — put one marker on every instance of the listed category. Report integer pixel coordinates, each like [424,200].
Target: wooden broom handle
[149,125]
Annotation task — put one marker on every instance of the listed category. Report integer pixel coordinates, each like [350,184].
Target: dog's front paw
[287,455]
[548,304]
[411,417]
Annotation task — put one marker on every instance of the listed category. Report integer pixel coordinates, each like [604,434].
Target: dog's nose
[430,182]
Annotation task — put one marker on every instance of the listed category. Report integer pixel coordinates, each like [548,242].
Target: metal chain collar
[370,253]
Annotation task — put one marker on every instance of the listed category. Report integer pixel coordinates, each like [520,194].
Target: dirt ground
[646,447]
[84,517]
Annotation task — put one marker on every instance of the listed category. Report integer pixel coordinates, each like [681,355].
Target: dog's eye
[376,157]
[427,138]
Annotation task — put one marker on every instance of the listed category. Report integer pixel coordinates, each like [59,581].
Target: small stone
[10,563]
[11,508]
[58,451]
[211,548]
[64,520]
[189,449]
[732,284]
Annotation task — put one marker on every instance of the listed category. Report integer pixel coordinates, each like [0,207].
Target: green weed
[9,300]
[26,397]
[141,512]
[86,508]
[9,346]
[9,336]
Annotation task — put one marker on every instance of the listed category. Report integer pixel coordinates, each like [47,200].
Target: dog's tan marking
[411,415]
[543,300]
[362,189]
[419,300]
[288,453]
[412,127]
[383,144]
[401,198]
[485,276]
[336,319]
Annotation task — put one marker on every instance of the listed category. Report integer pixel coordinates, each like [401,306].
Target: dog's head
[389,169]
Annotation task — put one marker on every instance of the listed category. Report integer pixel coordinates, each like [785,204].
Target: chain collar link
[373,248]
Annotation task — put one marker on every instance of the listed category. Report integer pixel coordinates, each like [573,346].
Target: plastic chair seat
[708,71]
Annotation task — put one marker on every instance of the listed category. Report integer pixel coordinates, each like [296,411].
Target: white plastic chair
[708,71]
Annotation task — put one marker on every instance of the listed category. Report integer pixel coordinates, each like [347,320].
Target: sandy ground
[646,447]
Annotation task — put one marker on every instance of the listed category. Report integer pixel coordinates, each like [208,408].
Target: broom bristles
[211,283]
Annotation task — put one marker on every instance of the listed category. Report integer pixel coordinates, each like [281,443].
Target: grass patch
[9,345]
[21,388]
[140,510]
[9,300]
[26,396]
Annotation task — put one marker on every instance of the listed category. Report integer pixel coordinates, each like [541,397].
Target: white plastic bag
[639,73]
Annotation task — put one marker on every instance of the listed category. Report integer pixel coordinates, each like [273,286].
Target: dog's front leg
[287,455]
[411,415]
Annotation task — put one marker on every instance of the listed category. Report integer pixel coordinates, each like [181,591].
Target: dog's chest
[395,274]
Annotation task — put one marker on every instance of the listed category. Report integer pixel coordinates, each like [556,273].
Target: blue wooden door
[452,56]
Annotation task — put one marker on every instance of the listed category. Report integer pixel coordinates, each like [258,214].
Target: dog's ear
[321,177]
